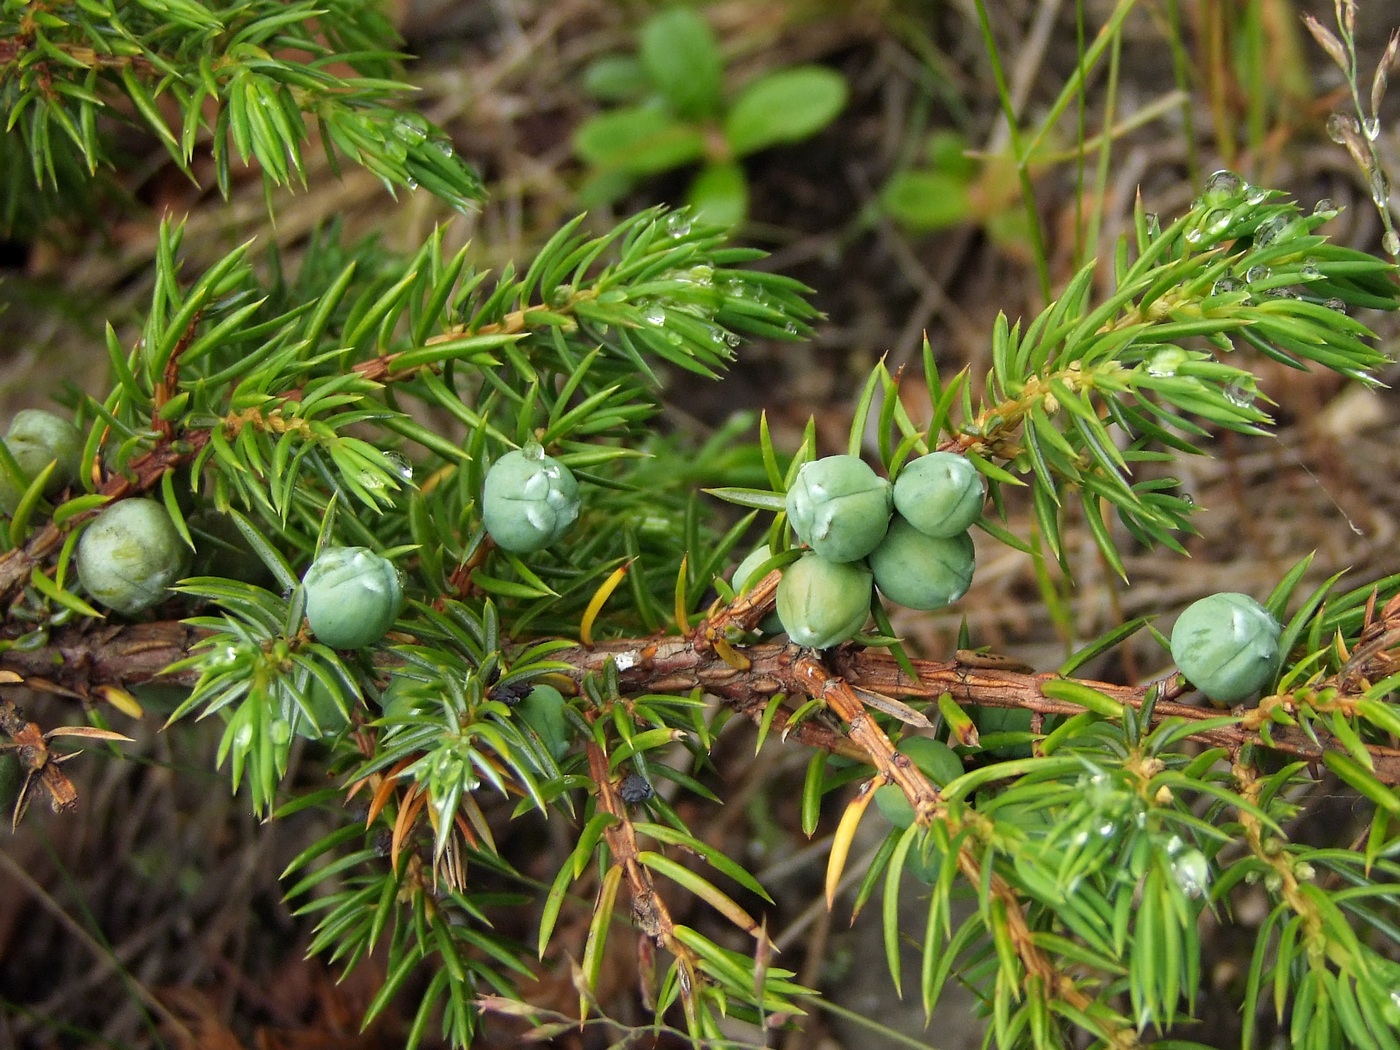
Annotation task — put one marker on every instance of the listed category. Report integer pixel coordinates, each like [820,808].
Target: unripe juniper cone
[940,494]
[935,759]
[130,554]
[921,572]
[839,507]
[353,597]
[543,711]
[321,717]
[822,603]
[756,557]
[1227,646]
[529,500]
[35,439]
[744,579]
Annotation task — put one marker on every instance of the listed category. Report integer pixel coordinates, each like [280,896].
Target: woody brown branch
[80,657]
[648,910]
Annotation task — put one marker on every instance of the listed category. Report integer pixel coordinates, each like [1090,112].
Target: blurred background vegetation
[962,160]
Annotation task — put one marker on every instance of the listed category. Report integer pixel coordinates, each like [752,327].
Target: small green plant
[675,109]
[951,188]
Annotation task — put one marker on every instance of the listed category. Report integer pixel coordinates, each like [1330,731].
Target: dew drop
[1380,188]
[1193,236]
[1310,272]
[654,315]
[1324,207]
[1188,499]
[1223,183]
[1336,304]
[1226,285]
[1371,128]
[1153,224]
[1257,195]
[677,224]
[790,328]
[409,130]
[1166,361]
[1270,231]
[1341,128]
[1191,872]
[1217,222]
[243,737]
[1241,395]
[723,338]
[1256,273]
[1391,242]
[400,464]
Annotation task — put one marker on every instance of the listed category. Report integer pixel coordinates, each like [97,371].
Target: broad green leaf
[639,140]
[787,106]
[923,201]
[680,54]
[616,78]
[720,194]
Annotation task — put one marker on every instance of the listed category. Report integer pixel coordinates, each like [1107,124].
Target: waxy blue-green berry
[317,715]
[822,603]
[353,597]
[744,580]
[529,500]
[1227,646]
[921,572]
[130,554]
[933,758]
[839,507]
[542,709]
[940,494]
[35,439]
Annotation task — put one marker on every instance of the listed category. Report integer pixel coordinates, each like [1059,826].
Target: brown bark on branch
[78,659]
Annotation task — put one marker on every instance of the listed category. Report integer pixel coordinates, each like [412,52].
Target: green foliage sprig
[272,73]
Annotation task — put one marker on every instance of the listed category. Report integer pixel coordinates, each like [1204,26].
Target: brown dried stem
[81,657]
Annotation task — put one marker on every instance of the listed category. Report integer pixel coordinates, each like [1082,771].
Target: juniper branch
[78,658]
